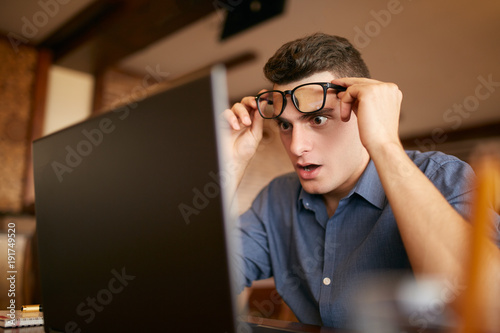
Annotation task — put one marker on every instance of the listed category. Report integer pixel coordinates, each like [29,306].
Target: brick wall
[17,78]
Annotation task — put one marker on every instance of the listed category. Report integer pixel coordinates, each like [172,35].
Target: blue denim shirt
[316,259]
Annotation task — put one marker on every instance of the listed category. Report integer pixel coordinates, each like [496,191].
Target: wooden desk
[32,329]
[293,326]
[254,320]
[298,327]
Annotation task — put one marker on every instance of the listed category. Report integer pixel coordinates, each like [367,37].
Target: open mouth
[308,171]
[309,167]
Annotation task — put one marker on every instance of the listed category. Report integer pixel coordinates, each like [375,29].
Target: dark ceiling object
[243,14]
[110,30]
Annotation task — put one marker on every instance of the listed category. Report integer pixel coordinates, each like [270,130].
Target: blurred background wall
[63,61]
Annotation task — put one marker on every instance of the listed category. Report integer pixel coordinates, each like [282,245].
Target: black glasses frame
[325,85]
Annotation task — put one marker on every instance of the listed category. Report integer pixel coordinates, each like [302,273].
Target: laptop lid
[130,220]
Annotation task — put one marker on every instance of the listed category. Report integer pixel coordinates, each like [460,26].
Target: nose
[300,141]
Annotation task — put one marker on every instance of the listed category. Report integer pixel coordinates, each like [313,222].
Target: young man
[357,202]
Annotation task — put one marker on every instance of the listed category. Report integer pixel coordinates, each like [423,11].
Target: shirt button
[327,281]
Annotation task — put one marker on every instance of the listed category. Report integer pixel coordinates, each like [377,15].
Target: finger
[347,103]
[257,125]
[231,119]
[250,107]
[349,81]
[345,112]
[249,101]
[243,113]
[346,98]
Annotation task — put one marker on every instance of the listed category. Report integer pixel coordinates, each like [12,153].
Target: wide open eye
[319,120]
[284,126]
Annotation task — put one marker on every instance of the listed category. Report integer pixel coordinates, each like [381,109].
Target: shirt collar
[370,188]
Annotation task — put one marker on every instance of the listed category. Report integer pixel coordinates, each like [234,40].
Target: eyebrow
[307,115]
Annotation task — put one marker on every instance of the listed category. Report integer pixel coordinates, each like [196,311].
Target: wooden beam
[483,131]
[110,30]
[35,130]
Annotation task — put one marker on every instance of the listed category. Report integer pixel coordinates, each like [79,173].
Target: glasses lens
[309,98]
[270,104]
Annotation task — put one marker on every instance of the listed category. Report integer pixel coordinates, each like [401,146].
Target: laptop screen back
[130,217]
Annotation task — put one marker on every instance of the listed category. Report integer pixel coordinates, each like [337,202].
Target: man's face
[326,152]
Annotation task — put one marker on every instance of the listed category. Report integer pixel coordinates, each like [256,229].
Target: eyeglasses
[309,97]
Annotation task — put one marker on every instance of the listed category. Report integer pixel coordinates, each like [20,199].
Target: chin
[311,188]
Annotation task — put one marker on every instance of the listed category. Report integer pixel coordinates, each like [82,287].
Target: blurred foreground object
[481,303]
[394,302]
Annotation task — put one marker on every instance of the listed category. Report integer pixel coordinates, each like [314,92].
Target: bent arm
[435,235]
[437,238]
[246,128]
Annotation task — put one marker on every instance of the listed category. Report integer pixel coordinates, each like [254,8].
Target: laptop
[133,221]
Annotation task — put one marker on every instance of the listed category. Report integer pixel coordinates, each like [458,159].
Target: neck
[331,206]
[332,199]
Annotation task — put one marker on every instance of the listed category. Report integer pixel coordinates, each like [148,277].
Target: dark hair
[319,52]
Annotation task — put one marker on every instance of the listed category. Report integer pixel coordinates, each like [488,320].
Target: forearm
[235,169]
[437,239]
[435,235]
[243,138]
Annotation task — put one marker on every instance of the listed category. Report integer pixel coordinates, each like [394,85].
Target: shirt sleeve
[457,182]
[255,260]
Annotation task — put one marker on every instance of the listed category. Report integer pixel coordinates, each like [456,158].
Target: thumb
[257,125]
